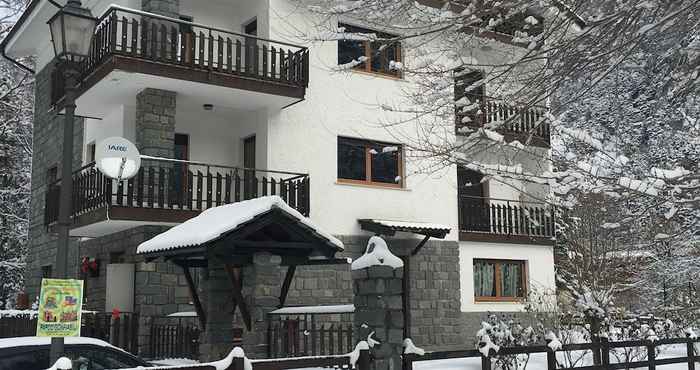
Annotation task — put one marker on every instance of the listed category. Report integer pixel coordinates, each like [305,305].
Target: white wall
[228,14]
[217,136]
[112,124]
[539,266]
[304,136]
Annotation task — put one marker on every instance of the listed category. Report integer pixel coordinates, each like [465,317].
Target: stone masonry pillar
[168,8]
[155,122]
[377,284]
[261,290]
[217,338]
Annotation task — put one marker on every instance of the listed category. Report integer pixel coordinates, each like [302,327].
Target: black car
[32,353]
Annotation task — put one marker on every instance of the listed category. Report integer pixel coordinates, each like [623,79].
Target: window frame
[497,272]
[366,66]
[368,164]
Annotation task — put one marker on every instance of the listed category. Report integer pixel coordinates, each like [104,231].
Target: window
[369,162]
[382,56]
[499,280]
[468,100]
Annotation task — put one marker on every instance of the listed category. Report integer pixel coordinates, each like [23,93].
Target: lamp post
[72,28]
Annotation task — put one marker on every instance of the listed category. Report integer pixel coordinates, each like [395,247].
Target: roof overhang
[234,233]
[390,227]
[24,40]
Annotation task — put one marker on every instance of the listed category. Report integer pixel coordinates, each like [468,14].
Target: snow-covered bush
[497,332]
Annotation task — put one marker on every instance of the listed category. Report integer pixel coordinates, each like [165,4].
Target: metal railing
[505,217]
[178,185]
[156,38]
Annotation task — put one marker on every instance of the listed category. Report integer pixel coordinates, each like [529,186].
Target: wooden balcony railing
[155,38]
[515,122]
[505,217]
[178,185]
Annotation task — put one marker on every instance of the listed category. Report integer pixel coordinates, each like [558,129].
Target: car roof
[42,341]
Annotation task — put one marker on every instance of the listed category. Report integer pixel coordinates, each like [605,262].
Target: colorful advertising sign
[59,308]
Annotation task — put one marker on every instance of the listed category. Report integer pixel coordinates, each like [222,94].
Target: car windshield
[83,357]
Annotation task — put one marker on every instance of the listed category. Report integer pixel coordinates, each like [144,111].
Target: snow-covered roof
[215,222]
[340,308]
[425,228]
[44,341]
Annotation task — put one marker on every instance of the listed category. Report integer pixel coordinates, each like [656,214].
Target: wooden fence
[602,348]
[121,331]
[294,338]
[174,341]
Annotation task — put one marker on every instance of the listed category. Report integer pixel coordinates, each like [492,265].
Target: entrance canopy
[236,231]
[233,234]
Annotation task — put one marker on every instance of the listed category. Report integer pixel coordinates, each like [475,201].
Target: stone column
[168,8]
[155,122]
[217,339]
[379,311]
[261,289]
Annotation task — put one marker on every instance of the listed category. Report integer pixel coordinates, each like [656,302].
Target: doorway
[473,206]
[180,180]
[249,186]
[251,47]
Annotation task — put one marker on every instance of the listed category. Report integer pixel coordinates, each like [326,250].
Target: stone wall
[159,287]
[47,152]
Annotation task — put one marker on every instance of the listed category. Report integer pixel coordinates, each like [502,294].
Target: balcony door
[251,47]
[187,40]
[181,152]
[249,186]
[473,205]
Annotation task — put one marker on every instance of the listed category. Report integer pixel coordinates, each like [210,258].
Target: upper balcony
[513,122]
[167,192]
[503,220]
[133,50]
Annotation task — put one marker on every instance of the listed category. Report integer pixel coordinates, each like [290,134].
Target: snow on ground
[174,362]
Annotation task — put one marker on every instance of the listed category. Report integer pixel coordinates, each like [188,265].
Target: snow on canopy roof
[425,228]
[214,222]
[339,308]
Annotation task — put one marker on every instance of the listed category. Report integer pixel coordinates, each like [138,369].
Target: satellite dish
[117,158]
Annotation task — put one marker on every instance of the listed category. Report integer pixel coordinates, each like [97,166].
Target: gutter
[14,29]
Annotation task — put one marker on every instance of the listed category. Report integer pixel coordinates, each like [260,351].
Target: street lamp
[72,29]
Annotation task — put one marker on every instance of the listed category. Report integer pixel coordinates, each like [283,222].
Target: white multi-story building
[249,108]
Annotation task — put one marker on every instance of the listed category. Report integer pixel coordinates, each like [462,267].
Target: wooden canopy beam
[234,274]
[289,276]
[195,297]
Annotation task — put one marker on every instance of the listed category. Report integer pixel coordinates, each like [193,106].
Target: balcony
[167,192]
[133,49]
[516,123]
[501,220]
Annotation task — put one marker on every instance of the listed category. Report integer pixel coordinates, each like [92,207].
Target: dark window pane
[512,280]
[385,164]
[351,159]
[484,279]
[349,50]
[381,59]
